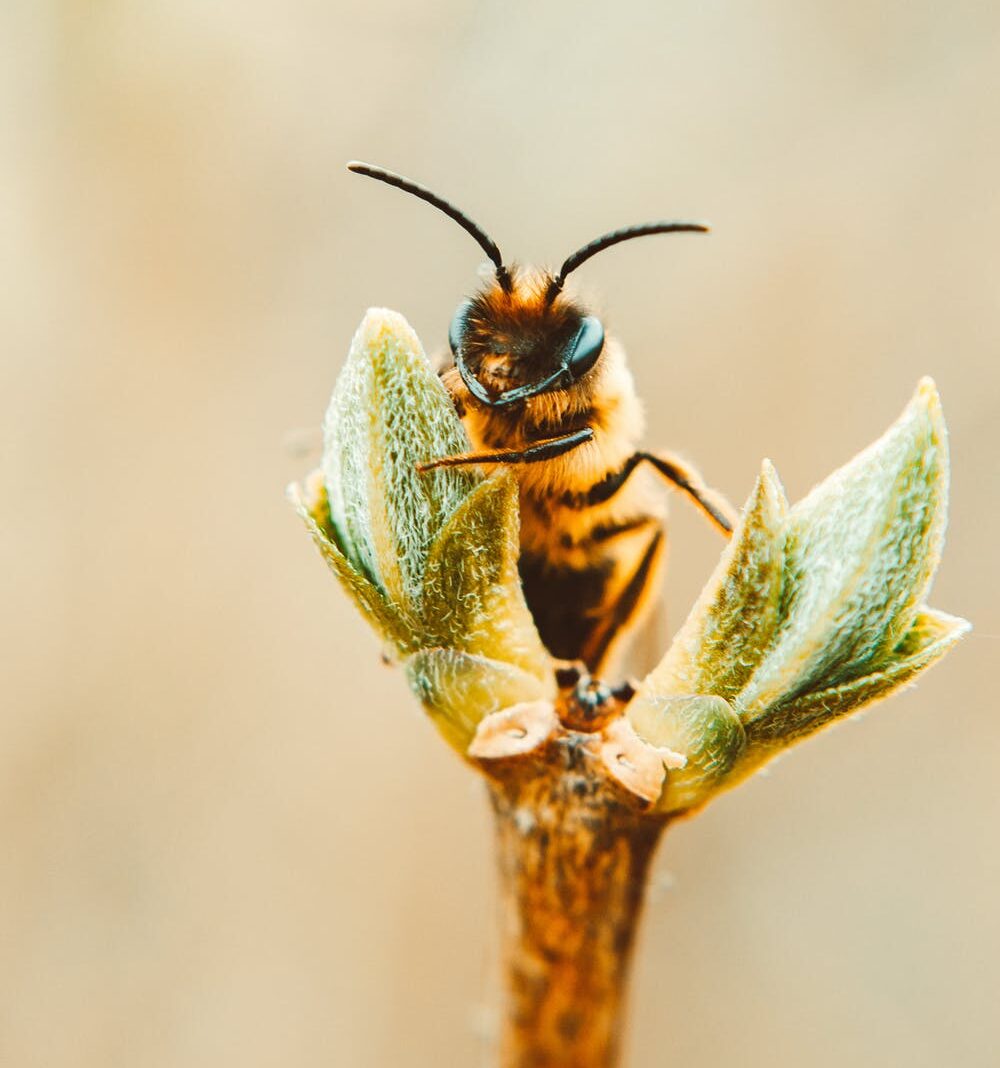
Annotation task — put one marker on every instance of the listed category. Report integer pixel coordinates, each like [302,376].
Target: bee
[543,389]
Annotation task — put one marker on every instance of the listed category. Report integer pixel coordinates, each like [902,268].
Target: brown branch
[574,843]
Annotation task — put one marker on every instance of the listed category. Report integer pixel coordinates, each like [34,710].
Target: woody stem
[574,856]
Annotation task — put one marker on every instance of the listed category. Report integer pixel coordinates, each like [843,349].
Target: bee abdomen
[565,601]
[579,610]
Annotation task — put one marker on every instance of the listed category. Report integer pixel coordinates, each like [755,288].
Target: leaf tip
[383,330]
[956,626]
[769,487]
[927,391]
[306,495]
[926,403]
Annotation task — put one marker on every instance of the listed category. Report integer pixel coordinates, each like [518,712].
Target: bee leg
[687,479]
[616,617]
[625,691]
[569,672]
[682,475]
[542,450]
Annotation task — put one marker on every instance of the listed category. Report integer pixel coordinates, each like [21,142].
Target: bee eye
[586,347]
[457,329]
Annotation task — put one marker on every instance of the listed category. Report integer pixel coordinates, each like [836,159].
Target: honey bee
[541,388]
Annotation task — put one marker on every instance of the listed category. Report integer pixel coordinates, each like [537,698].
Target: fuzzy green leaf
[860,552]
[811,614]
[458,689]
[733,622]
[704,728]
[472,598]
[388,413]
[931,635]
[430,558]
[389,620]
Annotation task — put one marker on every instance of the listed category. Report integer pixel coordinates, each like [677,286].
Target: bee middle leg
[687,479]
[675,470]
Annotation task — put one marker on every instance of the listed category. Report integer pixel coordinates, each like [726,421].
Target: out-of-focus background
[229,837]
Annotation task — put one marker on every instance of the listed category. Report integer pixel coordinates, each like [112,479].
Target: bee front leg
[548,449]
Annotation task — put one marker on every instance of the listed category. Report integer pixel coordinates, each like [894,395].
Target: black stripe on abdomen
[605,532]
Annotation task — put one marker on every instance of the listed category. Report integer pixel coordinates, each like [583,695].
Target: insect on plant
[541,387]
[814,610]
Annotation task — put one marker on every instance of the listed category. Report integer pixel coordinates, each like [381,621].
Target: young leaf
[928,639]
[732,624]
[389,412]
[389,620]
[459,689]
[860,553]
[472,597]
[704,728]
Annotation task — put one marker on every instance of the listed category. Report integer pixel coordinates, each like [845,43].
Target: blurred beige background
[228,835]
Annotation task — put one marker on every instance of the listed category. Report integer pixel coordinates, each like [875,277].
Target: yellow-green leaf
[388,413]
[472,598]
[388,619]
[458,689]
[702,727]
[733,622]
[930,636]
[859,555]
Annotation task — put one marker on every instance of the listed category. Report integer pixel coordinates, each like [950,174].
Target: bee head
[515,341]
[521,336]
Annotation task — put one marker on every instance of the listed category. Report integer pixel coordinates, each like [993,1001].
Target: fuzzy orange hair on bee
[541,388]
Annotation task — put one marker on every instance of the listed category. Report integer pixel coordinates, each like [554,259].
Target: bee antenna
[599,244]
[487,244]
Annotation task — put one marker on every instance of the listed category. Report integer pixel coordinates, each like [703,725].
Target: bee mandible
[541,388]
